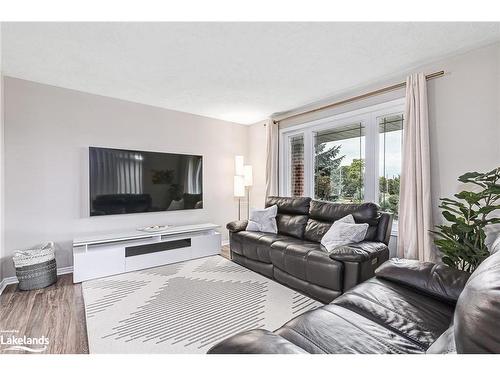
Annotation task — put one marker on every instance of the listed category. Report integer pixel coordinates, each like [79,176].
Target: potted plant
[462,240]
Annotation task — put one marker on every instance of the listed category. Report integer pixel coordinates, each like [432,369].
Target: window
[339,162]
[390,144]
[351,157]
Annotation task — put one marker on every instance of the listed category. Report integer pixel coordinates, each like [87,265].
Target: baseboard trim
[65,270]
[13,280]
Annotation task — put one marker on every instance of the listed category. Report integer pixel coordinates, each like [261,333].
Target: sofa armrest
[384,227]
[359,252]
[237,226]
[257,341]
[437,280]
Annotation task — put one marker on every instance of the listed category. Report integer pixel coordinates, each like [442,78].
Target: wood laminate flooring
[57,312]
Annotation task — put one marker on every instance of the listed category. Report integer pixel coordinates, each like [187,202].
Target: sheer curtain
[272,156]
[192,178]
[128,167]
[415,209]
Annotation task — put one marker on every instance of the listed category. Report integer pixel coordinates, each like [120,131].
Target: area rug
[185,307]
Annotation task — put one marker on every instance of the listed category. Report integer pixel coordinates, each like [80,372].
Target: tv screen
[126,181]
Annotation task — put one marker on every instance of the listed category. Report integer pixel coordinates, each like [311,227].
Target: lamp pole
[248,174]
[248,202]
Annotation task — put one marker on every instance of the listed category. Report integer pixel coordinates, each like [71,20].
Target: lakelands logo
[11,341]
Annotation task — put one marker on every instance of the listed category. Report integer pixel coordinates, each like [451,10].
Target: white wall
[257,159]
[464,114]
[1,160]
[47,131]
[464,119]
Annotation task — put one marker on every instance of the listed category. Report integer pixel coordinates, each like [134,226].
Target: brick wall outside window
[297,166]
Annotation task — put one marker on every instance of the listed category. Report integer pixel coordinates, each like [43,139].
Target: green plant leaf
[469,196]
[488,209]
[462,242]
[493,189]
[447,260]
[468,176]
[449,216]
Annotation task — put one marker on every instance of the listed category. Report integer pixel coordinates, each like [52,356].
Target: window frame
[368,116]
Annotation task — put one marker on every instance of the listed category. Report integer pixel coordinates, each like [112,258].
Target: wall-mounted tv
[127,181]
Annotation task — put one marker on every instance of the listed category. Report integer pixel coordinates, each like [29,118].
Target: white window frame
[368,116]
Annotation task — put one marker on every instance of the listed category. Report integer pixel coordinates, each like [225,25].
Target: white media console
[106,254]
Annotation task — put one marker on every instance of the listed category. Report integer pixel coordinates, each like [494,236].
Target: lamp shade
[239,169]
[239,186]
[248,175]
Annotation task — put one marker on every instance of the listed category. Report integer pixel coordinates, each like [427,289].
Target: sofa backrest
[477,315]
[309,219]
[323,214]
[292,214]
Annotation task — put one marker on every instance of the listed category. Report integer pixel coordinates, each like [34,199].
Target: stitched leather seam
[286,253]
[307,339]
[367,333]
[359,311]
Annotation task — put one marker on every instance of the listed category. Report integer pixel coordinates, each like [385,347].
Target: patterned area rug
[185,307]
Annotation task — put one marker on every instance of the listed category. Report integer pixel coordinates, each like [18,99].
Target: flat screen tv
[127,181]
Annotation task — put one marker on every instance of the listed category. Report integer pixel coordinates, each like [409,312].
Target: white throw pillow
[343,232]
[263,220]
[347,219]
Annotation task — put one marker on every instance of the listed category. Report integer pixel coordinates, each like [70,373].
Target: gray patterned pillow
[263,220]
[343,232]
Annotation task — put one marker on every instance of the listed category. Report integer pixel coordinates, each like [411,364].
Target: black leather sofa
[409,307]
[295,257]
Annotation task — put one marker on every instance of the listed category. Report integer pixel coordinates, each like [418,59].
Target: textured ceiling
[240,72]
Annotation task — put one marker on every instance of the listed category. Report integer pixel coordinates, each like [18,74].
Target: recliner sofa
[409,307]
[295,257]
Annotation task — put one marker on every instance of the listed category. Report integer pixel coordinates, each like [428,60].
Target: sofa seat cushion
[307,261]
[419,318]
[335,329]
[359,252]
[254,245]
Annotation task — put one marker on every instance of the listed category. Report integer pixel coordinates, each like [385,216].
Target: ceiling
[239,72]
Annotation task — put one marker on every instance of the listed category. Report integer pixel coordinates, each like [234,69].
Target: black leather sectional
[295,257]
[409,307]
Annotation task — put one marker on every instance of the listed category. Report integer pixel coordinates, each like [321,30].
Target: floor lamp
[248,175]
[239,181]
[239,191]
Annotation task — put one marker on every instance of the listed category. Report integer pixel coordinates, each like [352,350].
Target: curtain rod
[362,96]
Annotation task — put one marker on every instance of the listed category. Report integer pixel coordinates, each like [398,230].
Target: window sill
[394,229]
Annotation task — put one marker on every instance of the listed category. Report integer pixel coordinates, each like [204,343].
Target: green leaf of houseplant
[462,241]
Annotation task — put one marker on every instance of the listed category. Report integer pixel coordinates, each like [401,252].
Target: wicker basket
[36,268]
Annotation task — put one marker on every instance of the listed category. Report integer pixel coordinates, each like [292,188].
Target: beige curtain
[272,156]
[415,210]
